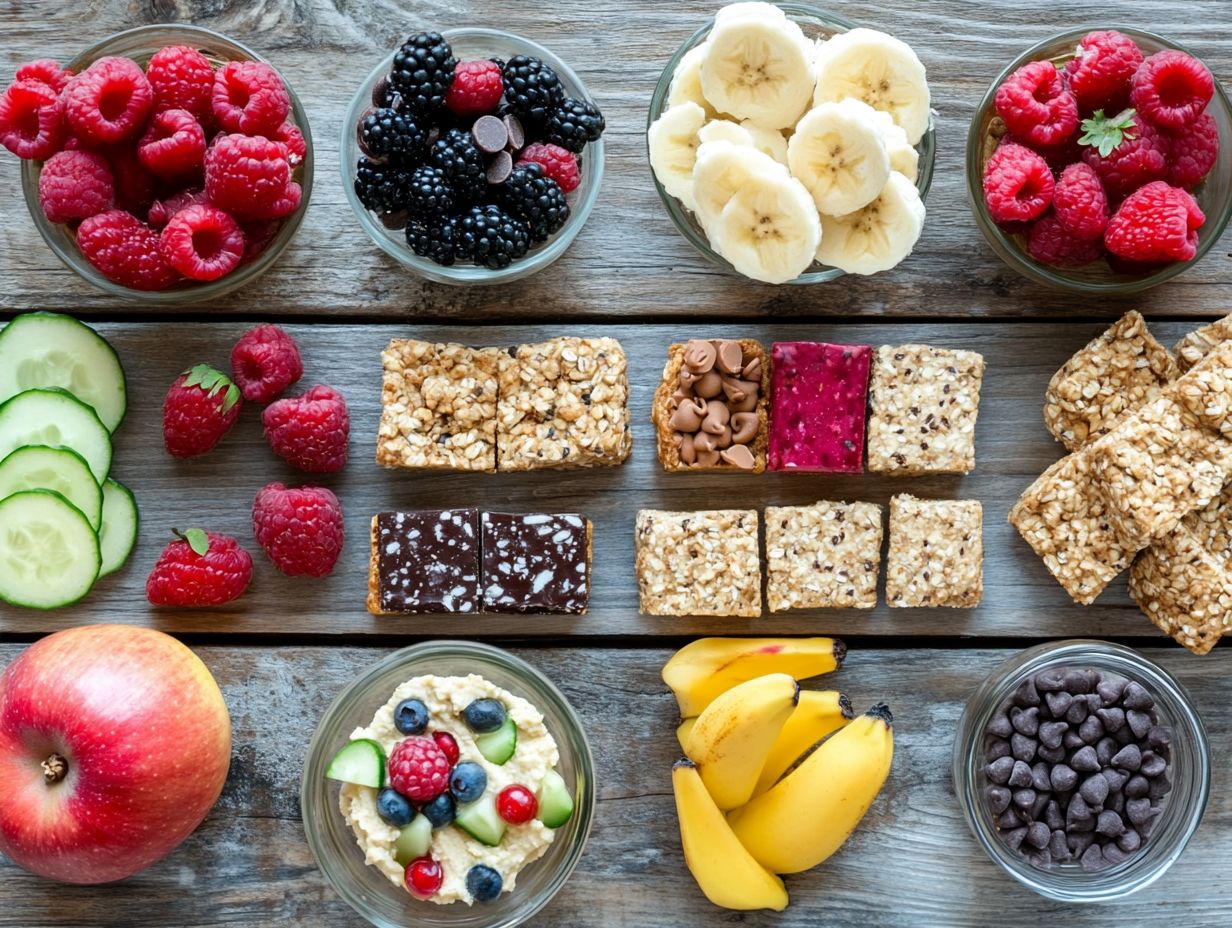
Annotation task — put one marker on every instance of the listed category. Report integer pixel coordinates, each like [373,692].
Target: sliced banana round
[758,67]
[770,141]
[756,10]
[838,153]
[720,170]
[903,156]
[769,230]
[724,130]
[880,70]
[877,237]
[686,85]
[672,142]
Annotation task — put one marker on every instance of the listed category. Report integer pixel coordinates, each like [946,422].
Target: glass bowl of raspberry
[154,116]
[1093,161]
[487,123]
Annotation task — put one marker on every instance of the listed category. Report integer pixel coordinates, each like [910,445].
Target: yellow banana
[723,869]
[732,737]
[819,713]
[682,732]
[811,812]
[702,671]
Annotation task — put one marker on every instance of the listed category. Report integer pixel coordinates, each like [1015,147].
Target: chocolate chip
[1136,697]
[1094,789]
[1128,758]
[1052,815]
[1009,819]
[1058,703]
[1014,838]
[1058,846]
[1137,786]
[1139,723]
[1079,841]
[1040,860]
[1038,835]
[1160,787]
[1071,739]
[1025,721]
[1052,755]
[517,135]
[1077,712]
[1112,718]
[1024,799]
[1020,774]
[999,770]
[1110,691]
[1092,858]
[1077,812]
[1104,749]
[1115,801]
[490,134]
[395,220]
[1160,737]
[1050,680]
[1138,810]
[1063,777]
[1109,824]
[1023,747]
[1129,840]
[1040,804]
[1115,779]
[1039,777]
[998,799]
[1026,695]
[1091,730]
[1152,764]
[1085,760]
[1051,733]
[499,168]
[1123,736]
[1078,681]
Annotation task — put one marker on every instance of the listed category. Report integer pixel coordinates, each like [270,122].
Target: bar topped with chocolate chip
[536,562]
[424,562]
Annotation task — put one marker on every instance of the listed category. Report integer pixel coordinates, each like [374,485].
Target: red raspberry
[1036,106]
[1080,203]
[1017,184]
[1171,89]
[1159,222]
[31,120]
[202,242]
[424,877]
[476,89]
[293,141]
[173,145]
[249,97]
[300,530]
[286,204]
[246,176]
[134,185]
[125,251]
[258,233]
[1049,242]
[200,569]
[449,744]
[418,769]
[75,185]
[558,163]
[45,70]
[1194,150]
[1059,156]
[516,804]
[162,210]
[1126,152]
[1099,73]
[310,431]
[182,79]
[264,362]
[199,410]
[108,102]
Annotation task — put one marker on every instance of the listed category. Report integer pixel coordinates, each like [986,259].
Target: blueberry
[394,808]
[440,811]
[411,717]
[483,883]
[484,715]
[467,782]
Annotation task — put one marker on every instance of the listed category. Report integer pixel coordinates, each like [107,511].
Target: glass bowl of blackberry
[472,156]
[1093,162]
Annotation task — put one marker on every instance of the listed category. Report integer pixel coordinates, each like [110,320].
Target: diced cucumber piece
[498,746]
[40,350]
[555,800]
[49,553]
[55,418]
[361,762]
[481,821]
[413,841]
[37,467]
[118,533]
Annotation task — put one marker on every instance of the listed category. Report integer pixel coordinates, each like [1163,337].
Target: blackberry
[386,133]
[382,188]
[574,123]
[532,89]
[457,157]
[430,193]
[422,71]
[535,199]
[492,237]
[435,239]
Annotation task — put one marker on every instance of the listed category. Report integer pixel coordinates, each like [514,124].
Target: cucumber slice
[360,762]
[49,553]
[38,467]
[40,350]
[413,841]
[498,746]
[555,800]
[480,820]
[118,533]
[55,418]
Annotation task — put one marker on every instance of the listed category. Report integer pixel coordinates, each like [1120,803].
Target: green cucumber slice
[49,554]
[413,841]
[555,800]
[40,350]
[118,532]
[498,746]
[55,418]
[38,467]
[361,762]
[481,821]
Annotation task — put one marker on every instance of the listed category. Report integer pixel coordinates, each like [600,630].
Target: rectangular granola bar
[698,563]
[1184,589]
[1206,389]
[1198,344]
[936,553]
[823,556]
[424,562]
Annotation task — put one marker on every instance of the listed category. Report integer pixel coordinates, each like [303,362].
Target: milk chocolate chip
[713,408]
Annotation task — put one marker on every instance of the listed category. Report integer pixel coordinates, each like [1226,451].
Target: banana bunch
[774,778]
[789,151]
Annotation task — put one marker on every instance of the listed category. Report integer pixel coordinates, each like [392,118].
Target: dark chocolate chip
[1026,694]
[1115,801]
[1085,760]
[1136,697]
[1058,702]
[1091,730]
[1050,680]
[1072,740]
[1038,835]
[1079,841]
[1128,758]
[1040,804]
[1113,854]
[1139,723]
[1094,789]
[1115,779]
[998,799]
[1129,841]
[1110,691]
[1137,786]
[1160,736]
[1000,726]
[996,747]
[1160,787]
[1013,839]
[1039,777]
[1024,799]
[1092,858]
[1123,735]
[517,135]
[395,220]
[1052,755]
[1152,764]
[1078,681]
[1052,815]
[1020,774]
[490,134]
[1009,819]
[1077,712]
[1023,747]
[1112,718]
[1040,860]
[499,168]
[1109,823]
[1025,721]
[1138,810]
[1051,733]
[1077,812]
[1104,750]
[1058,846]
[1063,777]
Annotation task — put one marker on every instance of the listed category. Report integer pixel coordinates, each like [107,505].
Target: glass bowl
[1214,194]
[816,24]
[470,43]
[1182,808]
[333,843]
[140,44]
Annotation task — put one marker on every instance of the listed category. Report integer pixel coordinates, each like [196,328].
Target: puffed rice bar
[823,556]
[936,553]
[698,563]
[1195,346]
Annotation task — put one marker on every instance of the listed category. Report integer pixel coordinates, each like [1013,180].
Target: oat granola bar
[823,556]
[698,563]
[936,553]
[1206,389]
[1195,346]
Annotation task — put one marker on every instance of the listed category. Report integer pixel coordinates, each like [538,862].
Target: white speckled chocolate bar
[536,562]
[424,562]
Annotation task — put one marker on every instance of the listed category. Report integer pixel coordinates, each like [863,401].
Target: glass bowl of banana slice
[792,146]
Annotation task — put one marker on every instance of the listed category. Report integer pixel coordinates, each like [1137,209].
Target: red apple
[114,744]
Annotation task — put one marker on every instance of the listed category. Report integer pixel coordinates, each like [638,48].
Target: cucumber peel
[361,762]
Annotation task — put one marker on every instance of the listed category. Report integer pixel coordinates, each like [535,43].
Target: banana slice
[724,130]
[838,153]
[878,236]
[686,85]
[756,10]
[769,230]
[720,170]
[672,141]
[903,156]
[880,70]
[758,67]
[770,141]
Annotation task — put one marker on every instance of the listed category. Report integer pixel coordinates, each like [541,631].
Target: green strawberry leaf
[213,381]
[197,539]
[1105,133]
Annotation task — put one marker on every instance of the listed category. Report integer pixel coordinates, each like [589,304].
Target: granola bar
[698,563]
[537,562]
[424,562]
[823,556]
[1198,344]
[1184,589]
[936,553]
[1206,389]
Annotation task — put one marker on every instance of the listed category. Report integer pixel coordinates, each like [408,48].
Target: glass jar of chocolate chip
[1082,769]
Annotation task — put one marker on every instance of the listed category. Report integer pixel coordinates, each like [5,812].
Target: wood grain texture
[629,259]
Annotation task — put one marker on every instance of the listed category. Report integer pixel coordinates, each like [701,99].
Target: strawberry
[199,410]
[199,568]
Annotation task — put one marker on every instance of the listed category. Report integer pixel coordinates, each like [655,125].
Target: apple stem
[55,769]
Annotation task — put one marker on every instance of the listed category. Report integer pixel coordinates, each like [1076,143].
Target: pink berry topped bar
[820,393]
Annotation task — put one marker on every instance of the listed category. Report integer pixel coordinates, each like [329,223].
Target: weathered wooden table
[287,648]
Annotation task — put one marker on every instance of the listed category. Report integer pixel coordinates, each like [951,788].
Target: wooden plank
[629,260]
[216,491]
[911,863]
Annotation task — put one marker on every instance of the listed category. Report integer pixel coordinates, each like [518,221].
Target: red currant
[449,744]
[516,804]
[424,877]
